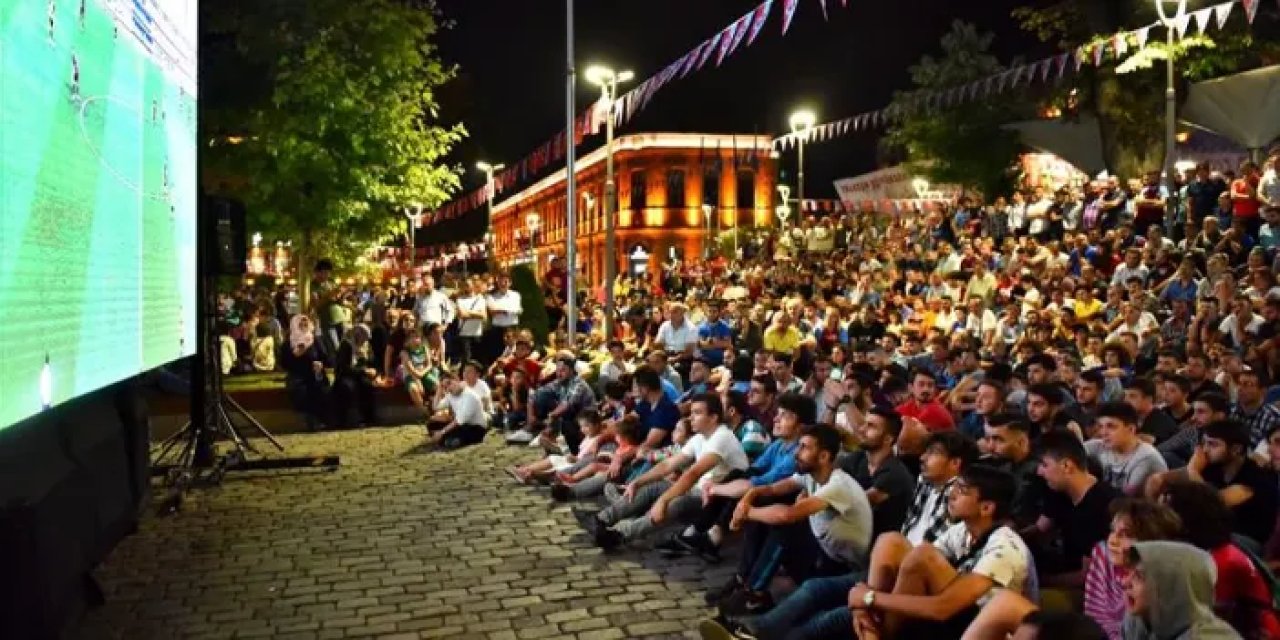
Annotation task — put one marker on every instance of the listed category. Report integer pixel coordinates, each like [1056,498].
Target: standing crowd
[1051,416]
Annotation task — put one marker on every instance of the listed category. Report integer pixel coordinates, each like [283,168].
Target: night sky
[510,89]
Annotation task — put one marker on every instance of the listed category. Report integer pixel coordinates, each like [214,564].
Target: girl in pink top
[1132,520]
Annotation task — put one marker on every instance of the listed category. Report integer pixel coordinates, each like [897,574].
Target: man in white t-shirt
[936,590]
[826,531]
[651,501]
[472,312]
[460,411]
[504,308]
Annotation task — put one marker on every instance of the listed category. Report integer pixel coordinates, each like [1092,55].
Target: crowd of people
[1051,416]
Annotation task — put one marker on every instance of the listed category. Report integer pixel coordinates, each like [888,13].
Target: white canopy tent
[1244,108]
[1078,142]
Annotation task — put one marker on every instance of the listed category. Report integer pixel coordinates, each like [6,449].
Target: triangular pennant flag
[1099,50]
[726,38]
[788,12]
[740,32]
[823,4]
[761,16]
[1079,57]
[1181,23]
[1142,35]
[1045,65]
[1250,9]
[708,50]
[1202,19]
[1120,44]
[691,59]
[1222,12]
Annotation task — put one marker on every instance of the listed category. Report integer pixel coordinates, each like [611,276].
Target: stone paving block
[397,543]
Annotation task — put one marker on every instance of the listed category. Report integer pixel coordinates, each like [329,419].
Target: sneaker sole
[712,630]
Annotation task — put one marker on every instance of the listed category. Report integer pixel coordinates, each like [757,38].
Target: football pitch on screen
[98,195]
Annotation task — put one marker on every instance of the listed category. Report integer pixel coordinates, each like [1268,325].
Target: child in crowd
[597,444]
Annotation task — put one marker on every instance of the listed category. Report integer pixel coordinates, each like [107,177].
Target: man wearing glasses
[936,590]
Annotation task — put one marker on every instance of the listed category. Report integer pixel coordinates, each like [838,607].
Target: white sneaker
[520,437]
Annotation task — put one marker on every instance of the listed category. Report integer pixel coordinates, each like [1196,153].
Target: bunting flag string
[1008,79]
[723,44]
[788,12]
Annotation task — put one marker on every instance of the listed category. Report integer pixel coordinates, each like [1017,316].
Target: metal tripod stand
[211,408]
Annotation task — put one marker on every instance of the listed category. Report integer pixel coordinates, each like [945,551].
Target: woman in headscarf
[305,380]
[354,374]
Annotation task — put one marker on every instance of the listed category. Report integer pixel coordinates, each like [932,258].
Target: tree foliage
[534,314]
[324,118]
[963,145]
[1127,95]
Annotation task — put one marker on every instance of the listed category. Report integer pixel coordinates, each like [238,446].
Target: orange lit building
[663,182]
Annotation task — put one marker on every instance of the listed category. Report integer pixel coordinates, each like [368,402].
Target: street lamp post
[608,81]
[491,191]
[1170,98]
[590,200]
[413,213]
[802,122]
[707,210]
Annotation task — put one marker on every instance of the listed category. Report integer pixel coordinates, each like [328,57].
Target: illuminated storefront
[665,184]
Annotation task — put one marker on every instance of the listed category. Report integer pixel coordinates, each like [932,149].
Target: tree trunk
[304,260]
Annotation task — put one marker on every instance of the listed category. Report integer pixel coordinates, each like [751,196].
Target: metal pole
[1171,126]
[610,207]
[800,178]
[571,198]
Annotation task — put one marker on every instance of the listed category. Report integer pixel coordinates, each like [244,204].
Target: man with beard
[1044,410]
[922,413]
[886,480]
[1009,441]
[826,532]
[1197,373]
[1222,461]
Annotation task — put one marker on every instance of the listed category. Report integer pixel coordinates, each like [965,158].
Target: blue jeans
[816,610]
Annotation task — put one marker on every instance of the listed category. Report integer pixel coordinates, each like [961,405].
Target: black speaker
[226,241]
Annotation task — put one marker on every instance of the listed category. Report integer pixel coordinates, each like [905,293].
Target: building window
[746,190]
[676,196]
[711,186]
[639,191]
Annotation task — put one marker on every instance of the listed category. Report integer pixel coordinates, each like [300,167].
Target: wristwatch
[869,599]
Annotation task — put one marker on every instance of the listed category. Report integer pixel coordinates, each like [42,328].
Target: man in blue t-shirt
[715,336]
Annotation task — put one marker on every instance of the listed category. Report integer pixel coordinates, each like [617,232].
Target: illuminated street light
[802,122]
[1170,94]
[608,80]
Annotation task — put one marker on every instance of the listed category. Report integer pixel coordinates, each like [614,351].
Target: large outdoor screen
[98,195]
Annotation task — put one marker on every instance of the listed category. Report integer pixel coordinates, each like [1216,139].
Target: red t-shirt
[1243,202]
[532,371]
[1239,581]
[932,415]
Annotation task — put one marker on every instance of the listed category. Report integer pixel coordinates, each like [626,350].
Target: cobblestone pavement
[399,543]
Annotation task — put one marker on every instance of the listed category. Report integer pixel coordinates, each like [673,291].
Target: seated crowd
[1047,419]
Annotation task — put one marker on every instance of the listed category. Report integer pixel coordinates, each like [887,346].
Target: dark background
[511,54]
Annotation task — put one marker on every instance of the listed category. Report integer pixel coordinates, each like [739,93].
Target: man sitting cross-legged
[825,532]
[710,455]
[818,608]
[935,590]
[777,462]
